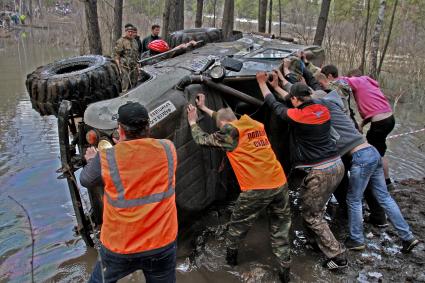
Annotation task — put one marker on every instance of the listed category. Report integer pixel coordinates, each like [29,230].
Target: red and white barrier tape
[405,134]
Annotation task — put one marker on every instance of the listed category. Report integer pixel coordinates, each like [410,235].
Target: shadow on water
[29,157]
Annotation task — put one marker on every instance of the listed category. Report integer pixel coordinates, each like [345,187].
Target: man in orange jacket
[260,176]
[139,211]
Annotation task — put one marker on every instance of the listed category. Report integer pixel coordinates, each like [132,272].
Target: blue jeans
[367,168]
[157,267]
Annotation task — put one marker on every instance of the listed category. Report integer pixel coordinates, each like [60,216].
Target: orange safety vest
[139,209]
[253,160]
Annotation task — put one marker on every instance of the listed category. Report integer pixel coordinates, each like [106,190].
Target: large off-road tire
[207,35]
[81,80]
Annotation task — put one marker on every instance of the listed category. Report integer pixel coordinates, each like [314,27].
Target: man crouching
[260,177]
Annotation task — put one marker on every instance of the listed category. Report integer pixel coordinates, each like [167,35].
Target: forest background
[385,38]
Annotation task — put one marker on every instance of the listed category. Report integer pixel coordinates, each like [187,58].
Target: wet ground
[29,157]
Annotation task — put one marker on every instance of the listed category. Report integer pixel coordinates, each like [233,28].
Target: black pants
[378,132]
[377,213]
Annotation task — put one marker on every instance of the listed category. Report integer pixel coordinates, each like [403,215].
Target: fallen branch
[32,237]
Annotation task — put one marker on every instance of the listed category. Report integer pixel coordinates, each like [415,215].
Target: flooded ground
[29,157]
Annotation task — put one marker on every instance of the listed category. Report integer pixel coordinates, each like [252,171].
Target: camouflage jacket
[226,138]
[344,91]
[127,51]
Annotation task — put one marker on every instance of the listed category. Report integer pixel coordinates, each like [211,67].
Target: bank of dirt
[381,261]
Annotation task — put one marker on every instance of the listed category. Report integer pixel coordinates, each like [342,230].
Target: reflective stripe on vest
[121,202]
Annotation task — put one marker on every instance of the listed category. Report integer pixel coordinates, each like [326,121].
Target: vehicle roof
[256,52]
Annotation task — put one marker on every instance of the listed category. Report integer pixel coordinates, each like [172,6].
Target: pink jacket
[369,98]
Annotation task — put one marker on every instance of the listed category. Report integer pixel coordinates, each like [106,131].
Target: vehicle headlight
[104,144]
[217,73]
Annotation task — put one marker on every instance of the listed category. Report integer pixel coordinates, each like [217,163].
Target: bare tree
[387,41]
[95,42]
[366,28]
[199,8]
[228,18]
[262,15]
[375,39]
[280,18]
[215,9]
[270,15]
[117,27]
[321,22]
[173,17]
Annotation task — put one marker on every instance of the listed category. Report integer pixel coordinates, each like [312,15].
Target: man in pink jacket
[373,107]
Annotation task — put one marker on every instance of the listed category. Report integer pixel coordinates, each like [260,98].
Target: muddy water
[29,157]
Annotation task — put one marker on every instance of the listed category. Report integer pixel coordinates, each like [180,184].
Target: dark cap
[300,89]
[133,114]
[129,27]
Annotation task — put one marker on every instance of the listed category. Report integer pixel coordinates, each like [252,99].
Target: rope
[406,134]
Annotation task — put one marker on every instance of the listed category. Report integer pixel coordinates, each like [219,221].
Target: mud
[381,261]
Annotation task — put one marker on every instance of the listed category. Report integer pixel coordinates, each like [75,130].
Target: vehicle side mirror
[231,64]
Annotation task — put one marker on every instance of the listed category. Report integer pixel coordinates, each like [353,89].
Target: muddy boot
[232,257]
[284,275]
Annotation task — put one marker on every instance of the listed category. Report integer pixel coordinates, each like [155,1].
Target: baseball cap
[300,89]
[133,114]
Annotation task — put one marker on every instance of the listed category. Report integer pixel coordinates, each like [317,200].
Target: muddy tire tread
[47,89]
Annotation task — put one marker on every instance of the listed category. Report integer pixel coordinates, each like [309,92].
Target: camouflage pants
[129,77]
[246,211]
[316,189]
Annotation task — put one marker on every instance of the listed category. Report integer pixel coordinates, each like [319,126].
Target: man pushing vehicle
[260,176]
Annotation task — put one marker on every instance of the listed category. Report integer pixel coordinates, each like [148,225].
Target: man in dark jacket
[314,152]
[155,30]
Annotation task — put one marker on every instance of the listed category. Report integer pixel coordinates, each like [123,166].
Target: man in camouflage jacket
[126,55]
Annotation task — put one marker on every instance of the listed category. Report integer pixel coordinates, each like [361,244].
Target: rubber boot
[232,257]
[284,275]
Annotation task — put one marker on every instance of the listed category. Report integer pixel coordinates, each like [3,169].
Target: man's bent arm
[91,175]
[227,138]
[278,108]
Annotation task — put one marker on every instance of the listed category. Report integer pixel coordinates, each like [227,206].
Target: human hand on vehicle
[192,116]
[200,101]
[273,80]
[90,153]
[262,78]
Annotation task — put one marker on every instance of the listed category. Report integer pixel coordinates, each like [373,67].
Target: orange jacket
[139,210]
[253,160]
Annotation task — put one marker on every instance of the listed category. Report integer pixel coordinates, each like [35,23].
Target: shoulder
[315,113]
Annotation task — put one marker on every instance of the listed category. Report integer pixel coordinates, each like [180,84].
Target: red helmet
[158,45]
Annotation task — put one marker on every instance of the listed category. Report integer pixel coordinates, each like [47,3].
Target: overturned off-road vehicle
[84,93]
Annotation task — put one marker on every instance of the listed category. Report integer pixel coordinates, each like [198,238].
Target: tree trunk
[321,22]
[270,16]
[228,18]
[30,9]
[93,32]
[40,8]
[262,15]
[199,8]
[366,29]
[280,18]
[375,39]
[215,8]
[117,27]
[173,18]
[387,41]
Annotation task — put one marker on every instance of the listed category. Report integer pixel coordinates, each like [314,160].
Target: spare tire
[207,35]
[81,80]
